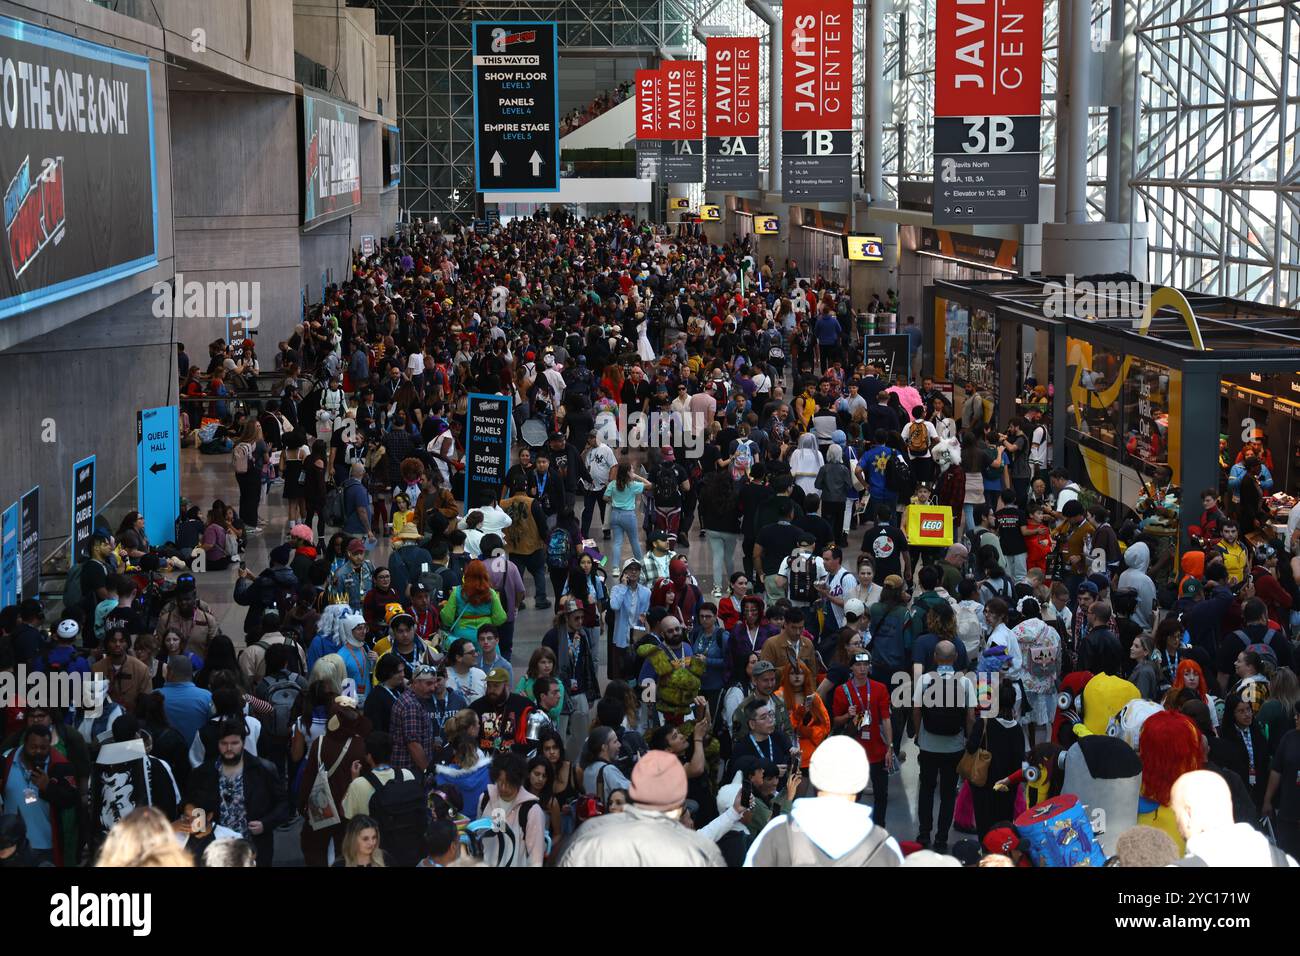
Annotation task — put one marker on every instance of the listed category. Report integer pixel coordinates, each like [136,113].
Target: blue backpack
[888,647]
[559,549]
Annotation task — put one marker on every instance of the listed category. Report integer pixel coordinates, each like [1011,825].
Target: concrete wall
[378,215]
[236,183]
[332,33]
[86,380]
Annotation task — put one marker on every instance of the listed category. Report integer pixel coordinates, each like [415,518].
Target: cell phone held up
[746,795]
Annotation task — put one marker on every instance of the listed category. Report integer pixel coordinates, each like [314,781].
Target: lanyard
[575,653]
[361,668]
[22,768]
[857,701]
[1250,751]
[771,748]
[541,484]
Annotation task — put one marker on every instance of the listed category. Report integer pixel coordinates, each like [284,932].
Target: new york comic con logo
[34,212]
[502,38]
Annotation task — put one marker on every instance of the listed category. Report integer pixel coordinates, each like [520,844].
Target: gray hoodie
[1137,560]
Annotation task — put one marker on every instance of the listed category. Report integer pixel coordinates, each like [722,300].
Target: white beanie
[348,623]
[839,765]
[727,794]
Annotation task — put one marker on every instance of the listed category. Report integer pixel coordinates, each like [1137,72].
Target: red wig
[1170,746]
[476,586]
[1185,666]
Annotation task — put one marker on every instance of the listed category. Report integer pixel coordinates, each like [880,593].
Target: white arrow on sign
[496,162]
[536,162]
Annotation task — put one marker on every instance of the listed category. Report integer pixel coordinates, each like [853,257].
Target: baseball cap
[356,546]
[630,563]
[281,554]
[571,605]
[763,667]
[1002,840]
[498,675]
[839,765]
[893,581]
[1089,586]
[855,607]
[1191,587]
[555,436]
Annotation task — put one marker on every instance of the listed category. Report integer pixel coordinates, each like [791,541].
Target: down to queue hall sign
[516,107]
[987,101]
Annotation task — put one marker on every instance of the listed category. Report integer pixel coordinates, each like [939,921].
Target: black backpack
[898,477]
[400,809]
[942,721]
[668,492]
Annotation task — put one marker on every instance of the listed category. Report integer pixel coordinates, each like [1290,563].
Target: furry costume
[1069,705]
[1170,746]
[1058,833]
[950,489]
[1040,774]
[1103,698]
[1127,724]
[1106,775]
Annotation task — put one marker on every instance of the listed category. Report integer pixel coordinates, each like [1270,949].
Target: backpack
[898,477]
[72,595]
[334,507]
[943,721]
[999,587]
[970,629]
[803,852]
[506,845]
[60,666]
[888,645]
[242,456]
[400,809]
[918,439]
[559,550]
[294,664]
[283,695]
[668,492]
[802,569]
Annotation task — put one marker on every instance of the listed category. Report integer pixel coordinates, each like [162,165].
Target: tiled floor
[204,478]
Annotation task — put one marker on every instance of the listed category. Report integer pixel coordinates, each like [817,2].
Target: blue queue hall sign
[516,108]
[158,480]
[83,507]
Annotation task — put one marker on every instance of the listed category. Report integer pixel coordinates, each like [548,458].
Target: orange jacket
[818,727]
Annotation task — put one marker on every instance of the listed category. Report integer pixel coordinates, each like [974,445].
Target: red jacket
[1274,596]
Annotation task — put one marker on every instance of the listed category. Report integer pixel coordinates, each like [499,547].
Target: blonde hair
[329,667]
[143,838]
[465,747]
[357,826]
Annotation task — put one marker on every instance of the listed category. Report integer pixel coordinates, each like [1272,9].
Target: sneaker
[252,529]
[605,534]
[542,605]
[717,592]
[940,846]
[703,532]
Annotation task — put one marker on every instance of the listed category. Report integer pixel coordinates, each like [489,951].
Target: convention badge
[30,795]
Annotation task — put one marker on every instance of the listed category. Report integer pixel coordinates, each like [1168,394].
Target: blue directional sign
[158,471]
[9,556]
[83,507]
[516,107]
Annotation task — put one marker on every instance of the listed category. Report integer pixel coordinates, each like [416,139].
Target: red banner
[817,65]
[682,89]
[733,86]
[988,57]
[647,102]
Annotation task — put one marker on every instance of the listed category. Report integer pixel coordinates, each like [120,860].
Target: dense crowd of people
[753,711]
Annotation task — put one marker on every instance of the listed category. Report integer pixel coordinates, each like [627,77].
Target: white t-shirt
[930,430]
[415,364]
[819,574]
[841,584]
[471,686]
[1039,441]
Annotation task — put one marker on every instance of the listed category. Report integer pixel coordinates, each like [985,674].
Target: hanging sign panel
[987,100]
[649,150]
[516,107]
[817,100]
[683,117]
[732,112]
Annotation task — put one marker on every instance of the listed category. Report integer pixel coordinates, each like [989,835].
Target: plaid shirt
[410,722]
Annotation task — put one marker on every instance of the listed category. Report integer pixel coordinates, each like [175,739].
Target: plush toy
[1170,746]
[1103,698]
[1069,705]
[1127,724]
[1040,775]
[1106,775]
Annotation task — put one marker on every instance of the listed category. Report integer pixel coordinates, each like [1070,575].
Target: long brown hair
[476,586]
[539,655]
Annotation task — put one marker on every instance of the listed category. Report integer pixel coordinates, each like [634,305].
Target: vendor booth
[1173,391]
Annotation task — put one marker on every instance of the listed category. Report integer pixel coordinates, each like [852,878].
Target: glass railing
[598,163]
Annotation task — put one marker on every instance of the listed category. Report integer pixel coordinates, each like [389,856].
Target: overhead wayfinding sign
[817,100]
[987,100]
[732,112]
[516,107]
[648,120]
[682,89]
